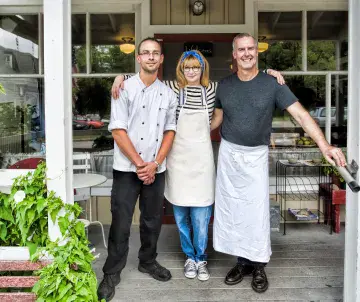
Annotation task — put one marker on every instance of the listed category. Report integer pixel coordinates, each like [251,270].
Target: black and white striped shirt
[193,96]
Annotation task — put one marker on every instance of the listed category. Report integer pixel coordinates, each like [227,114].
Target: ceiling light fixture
[127,46]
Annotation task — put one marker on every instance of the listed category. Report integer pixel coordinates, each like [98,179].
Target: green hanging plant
[24,222]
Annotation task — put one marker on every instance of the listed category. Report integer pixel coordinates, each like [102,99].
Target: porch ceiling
[330,25]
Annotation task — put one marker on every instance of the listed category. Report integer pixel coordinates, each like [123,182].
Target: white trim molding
[58,102]
[352,230]
[299,5]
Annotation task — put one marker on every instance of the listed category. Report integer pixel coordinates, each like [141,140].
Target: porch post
[352,230]
[58,105]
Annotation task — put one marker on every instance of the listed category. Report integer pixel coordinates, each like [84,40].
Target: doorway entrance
[217,48]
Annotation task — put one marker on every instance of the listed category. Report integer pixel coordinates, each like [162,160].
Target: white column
[58,108]
[352,230]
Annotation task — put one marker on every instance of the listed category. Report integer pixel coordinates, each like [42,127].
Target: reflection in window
[339,101]
[310,91]
[19,51]
[327,35]
[22,128]
[91,114]
[282,32]
[78,35]
[109,33]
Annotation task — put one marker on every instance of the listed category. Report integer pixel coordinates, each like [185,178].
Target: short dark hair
[149,39]
[242,35]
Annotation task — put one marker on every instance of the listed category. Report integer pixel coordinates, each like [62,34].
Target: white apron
[190,169]
[242,214]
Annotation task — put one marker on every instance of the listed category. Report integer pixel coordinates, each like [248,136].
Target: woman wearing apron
[190,172]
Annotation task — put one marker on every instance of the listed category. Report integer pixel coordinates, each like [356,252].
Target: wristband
[158,165]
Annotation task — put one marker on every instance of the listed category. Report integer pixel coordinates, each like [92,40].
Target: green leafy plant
[103,142]
[2,90]
[24,222]
[331,170]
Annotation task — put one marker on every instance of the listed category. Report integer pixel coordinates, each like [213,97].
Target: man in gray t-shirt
[249,107]
[244,104]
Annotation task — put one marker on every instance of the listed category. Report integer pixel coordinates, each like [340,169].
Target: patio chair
[81,164]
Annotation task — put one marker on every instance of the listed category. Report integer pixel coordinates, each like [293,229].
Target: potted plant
[24,223]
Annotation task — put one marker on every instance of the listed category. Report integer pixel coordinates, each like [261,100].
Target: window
[281,33]
[22,128]
[109,51]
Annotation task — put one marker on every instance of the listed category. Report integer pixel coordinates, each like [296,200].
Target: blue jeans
[195,219]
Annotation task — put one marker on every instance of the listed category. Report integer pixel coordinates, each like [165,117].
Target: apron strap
[182,97]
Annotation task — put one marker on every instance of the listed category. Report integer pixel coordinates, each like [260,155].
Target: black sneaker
[259,282]
[155,270]
[237,273]
[106,288]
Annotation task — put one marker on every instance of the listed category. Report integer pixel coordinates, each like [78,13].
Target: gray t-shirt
[248,107]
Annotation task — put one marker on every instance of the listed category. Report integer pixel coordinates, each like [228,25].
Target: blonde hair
[192,61]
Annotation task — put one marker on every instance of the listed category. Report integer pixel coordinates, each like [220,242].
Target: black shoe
[106,288]
[237,273]
[259,282]
[155,270]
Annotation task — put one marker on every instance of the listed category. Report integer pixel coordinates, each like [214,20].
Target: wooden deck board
[307,265]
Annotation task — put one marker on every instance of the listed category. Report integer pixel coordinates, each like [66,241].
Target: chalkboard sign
[206,48]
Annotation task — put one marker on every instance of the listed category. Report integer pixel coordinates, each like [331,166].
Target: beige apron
[242,214]
[190,169]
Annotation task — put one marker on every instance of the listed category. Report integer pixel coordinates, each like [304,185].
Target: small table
[87,180]
[7,177]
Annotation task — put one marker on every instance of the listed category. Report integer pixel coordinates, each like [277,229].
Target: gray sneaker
[190,270]
[203,273]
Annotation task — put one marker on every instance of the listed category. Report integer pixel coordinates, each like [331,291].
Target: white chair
[81,164]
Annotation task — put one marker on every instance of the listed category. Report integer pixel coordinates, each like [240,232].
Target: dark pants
[245,261]
[125,190]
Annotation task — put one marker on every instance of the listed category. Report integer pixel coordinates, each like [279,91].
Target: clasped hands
[146,172]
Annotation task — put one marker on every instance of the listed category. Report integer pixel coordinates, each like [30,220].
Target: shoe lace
[259,272]
[202,269]
[190,264]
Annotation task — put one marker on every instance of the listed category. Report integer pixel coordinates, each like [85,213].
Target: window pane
[281,33]
[310,90]
[19,51]
[78,35]
[339,102]
[91,116]
[327,40]
[108,33]
[22,129]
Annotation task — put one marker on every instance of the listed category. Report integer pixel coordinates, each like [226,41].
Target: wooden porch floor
[306,265]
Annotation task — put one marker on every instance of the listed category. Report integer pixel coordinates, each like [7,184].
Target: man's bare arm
[217,118]
[309,125]
[126,146]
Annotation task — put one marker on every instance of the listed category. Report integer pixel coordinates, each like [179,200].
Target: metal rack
[299,182]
